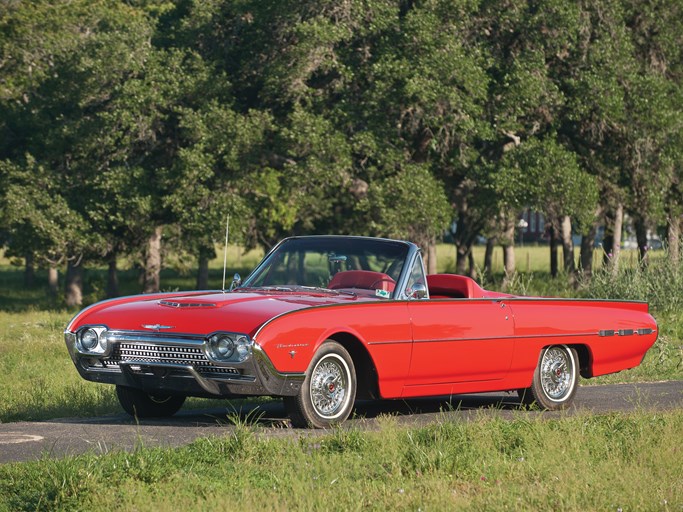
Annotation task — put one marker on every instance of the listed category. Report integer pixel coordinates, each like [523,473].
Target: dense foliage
[132,128]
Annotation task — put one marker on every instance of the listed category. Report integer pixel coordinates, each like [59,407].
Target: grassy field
[610,462]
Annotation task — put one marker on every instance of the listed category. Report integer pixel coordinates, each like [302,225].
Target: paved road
[25,441]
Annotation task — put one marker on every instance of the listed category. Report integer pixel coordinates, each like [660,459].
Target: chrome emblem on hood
[156,327]
[173,304]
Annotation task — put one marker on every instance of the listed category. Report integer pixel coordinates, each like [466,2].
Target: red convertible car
[323,320]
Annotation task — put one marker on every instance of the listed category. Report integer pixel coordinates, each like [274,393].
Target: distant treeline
[135,127]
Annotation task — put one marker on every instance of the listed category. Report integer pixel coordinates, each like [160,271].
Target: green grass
[608,462]
[37,378]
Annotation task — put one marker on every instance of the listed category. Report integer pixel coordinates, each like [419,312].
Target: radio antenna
[225,251]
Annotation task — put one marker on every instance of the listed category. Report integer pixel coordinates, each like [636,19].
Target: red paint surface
[419,348]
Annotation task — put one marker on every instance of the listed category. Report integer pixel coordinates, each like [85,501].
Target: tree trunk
[618,230]
[468,226]
[203,271]
[614,247]
[488,255]
[586,258]
[74,284]
[472,272]
[53,280]
[29,271]
[509,263]
[461,252]
[588,244]
[674,238]
[641,237]
[431,257]
[509,247]
[552,232]
[112,276]
[567,247]
[153,262]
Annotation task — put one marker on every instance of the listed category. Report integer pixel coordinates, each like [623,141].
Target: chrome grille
[142,353]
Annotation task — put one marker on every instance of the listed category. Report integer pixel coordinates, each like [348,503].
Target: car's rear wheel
[556,379]
[327,395]
[141,404]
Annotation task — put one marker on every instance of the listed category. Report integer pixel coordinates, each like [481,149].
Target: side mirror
[417,291]
[236,282]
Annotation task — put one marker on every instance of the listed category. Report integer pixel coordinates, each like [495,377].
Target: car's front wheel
[327,395]
[556,379]
[141,404]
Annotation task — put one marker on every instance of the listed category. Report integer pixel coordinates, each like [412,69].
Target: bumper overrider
[219,364]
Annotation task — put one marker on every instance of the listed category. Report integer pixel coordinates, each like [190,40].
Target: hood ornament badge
[156,327]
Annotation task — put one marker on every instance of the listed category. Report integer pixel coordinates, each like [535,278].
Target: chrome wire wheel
[328,393]
[329,386]
[557,373]
[555,380]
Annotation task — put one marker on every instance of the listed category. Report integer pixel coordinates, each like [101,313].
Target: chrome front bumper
[179,364]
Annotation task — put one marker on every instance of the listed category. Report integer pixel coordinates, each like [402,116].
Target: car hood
[203,313]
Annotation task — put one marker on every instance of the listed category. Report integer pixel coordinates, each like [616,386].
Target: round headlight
[225,347]
[89,339]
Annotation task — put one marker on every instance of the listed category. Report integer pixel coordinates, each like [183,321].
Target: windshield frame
[411,250]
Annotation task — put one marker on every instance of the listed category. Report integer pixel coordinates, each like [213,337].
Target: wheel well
[585,367]
[366,373]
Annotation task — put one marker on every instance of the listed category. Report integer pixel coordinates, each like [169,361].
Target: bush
[657,281]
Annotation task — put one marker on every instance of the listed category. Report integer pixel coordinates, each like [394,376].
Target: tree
[623,108]
[39,220]
[411,205]
[531,47]
[546,176]
[73,51]
[148,122]
[428,90]
[221,153]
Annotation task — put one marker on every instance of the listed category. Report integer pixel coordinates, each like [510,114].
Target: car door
[459,340]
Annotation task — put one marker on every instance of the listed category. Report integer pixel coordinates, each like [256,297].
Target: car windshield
[333,263]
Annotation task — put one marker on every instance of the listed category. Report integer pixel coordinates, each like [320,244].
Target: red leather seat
[366,279]
[453,286]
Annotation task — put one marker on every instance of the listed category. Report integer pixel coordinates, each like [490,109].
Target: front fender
[291,339]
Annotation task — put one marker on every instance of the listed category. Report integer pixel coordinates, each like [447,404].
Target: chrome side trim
[510,337]
[390,342]
[602,333]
